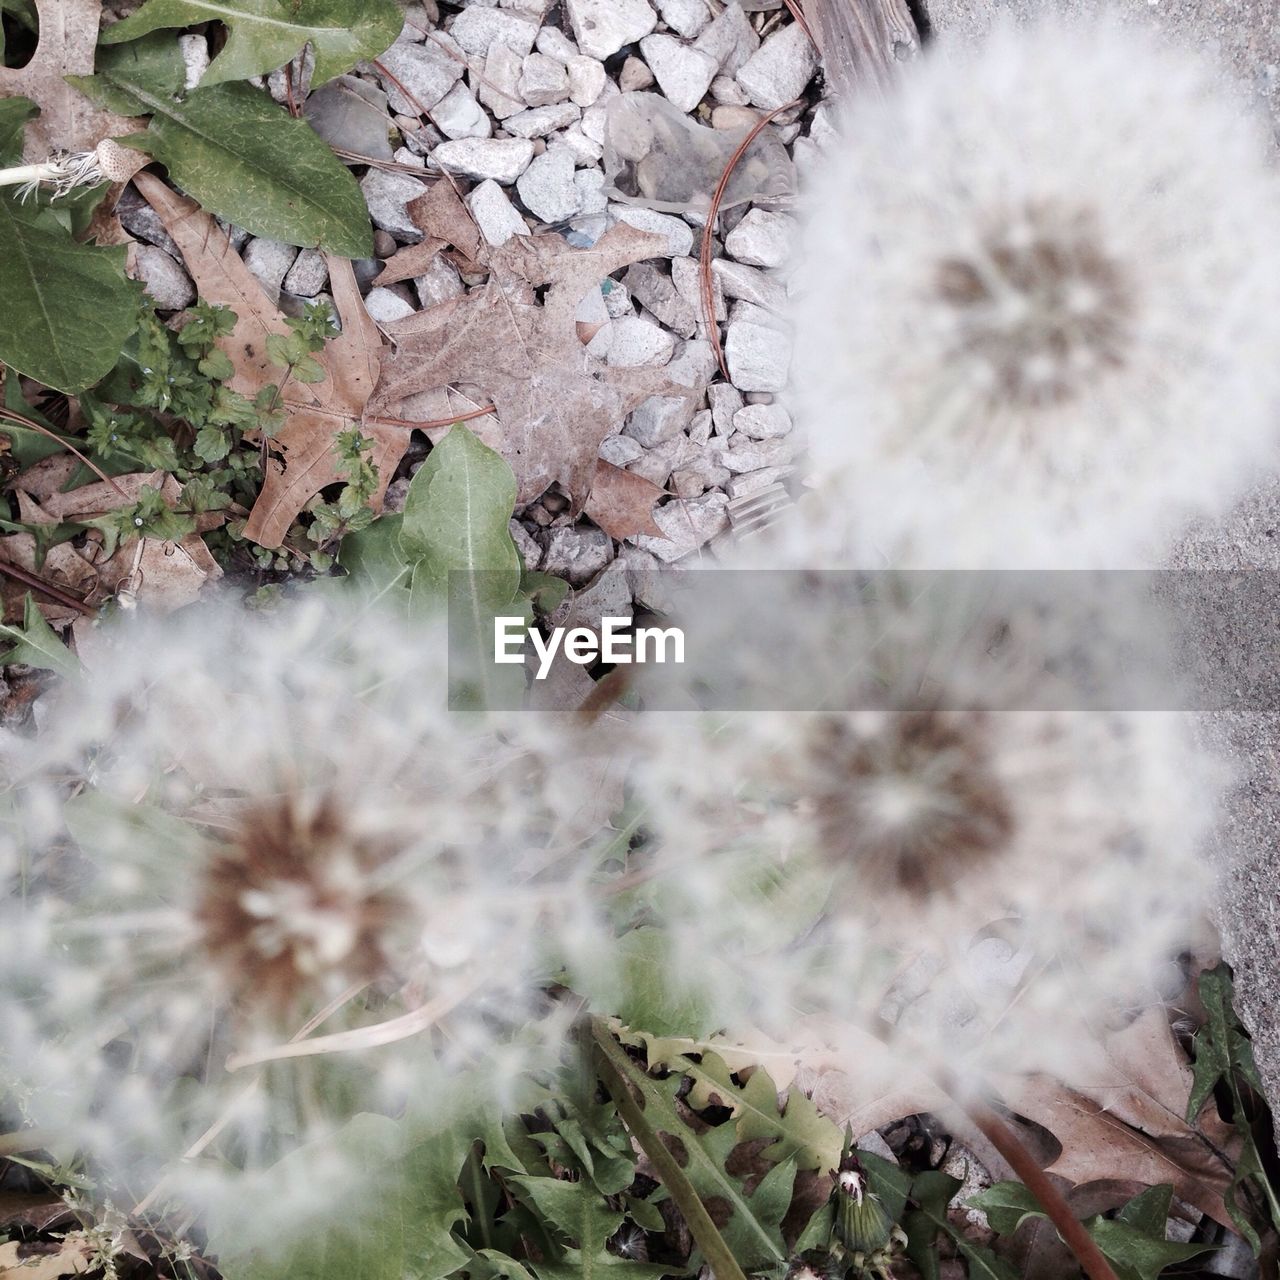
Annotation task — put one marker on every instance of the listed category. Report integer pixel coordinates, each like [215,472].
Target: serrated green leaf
[1135,1254]
[649,994]
[236,152]
[37,644]
[265,34]
[1007,1206]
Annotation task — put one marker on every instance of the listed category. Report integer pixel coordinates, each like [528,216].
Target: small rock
[140,220]
[555,44]
[744,486]
[655,290]
[657,464]
[502,159]
[590,184]
[635,75]
[547,187]
[620,450]
[166,283]
[693,364]
[684,74]
[384,306]
[351,114]
[763,421]
[686,275]
[758,315]
[495,215]
[687,524]
[543,81]
[726,402]
[617,299]
[537,122]
[751,284]
[678,234]
[741,456]
[418,21]
[396,495]
[308,275]
[700,426]
[657,420]
[685,17]
[269,260]
[730,39]
[586,79]
[238,237]
[478,27]
[384,244]
[591,310]
[608,596]
[440,281]
[758,358]
[639,342]
[386,194]
[585,152]
[602,27]
[195,59]
[730,118]
[762,238]
[426,71]
[529,550]
[577,553]
[779,70]
[699,473]
[459,115]
[645,578]
[497,86]
[727,92]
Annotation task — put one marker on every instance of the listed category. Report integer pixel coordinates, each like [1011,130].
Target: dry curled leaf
[38,1260]
[67,119]
[303,460]
[555,402]
[621,502]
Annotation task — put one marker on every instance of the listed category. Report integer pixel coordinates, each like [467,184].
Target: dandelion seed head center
[1040,305]
[288,906]
[913,803]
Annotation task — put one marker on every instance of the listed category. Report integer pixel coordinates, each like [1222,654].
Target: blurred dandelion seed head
[1036,307]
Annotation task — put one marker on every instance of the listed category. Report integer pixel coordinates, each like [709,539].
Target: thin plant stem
[36,583]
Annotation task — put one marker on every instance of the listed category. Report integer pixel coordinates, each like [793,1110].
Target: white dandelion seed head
[260,816]
[987,868]
[1038,306]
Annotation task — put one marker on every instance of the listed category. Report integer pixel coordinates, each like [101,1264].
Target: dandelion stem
[613,1063]
[21,174]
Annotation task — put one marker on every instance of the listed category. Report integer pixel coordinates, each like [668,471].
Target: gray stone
[654,289]
[761,239]
[779,70]
[385,305]
[636,75]
[685,17]
[608,596]
[478,27]
[308,275]
[386,194]
[698,475]
[684,74]
[620,450]
[763,421]
[269,260]
[686,275]
[590,184]
[351,114]
[693,364]
[743,486]
[543,81]
[426,71]
[140,220]
[740,455]
[497,84]
[726,91]
[678,234]
[750,284]
[438,283]
[166,283]
[459,115]
[730,39]
[502,159]
[726,402]
[195,59]
[495,215]
[657,464]
[636,342]
[537,122]
[396,495]
[645,578]
[586,79]
[758,315]
[687,524]
[577,553]
[586,153]
[530,552]
[658,419]
[700,426]
[555,44]
[758,358]
[547,187]
[617,299]
[602,27]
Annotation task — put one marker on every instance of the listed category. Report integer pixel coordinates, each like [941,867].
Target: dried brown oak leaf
[554,400]
[67,119]
[302,460]
[621,502]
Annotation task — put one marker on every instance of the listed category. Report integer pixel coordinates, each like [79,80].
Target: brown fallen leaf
[38,1260]
[20,1209]
[555,402]
[621,502]
[302,461]
[444,220]
[67,119]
